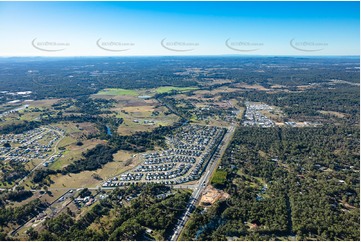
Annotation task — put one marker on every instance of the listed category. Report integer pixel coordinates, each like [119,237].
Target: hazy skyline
[179,28]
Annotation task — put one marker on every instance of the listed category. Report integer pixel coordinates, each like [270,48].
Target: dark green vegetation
[72,77]
[17,196]
[306,105]
[13,172]
[124,215]
[93,159]
[76,77]
[301,182]
[20,215]
[19,128]
[283,182]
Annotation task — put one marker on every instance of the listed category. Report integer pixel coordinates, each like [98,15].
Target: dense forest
[76,77]
[286,182]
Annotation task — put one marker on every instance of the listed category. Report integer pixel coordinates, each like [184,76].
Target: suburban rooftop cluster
[254,117]
[33,144]
[189,151]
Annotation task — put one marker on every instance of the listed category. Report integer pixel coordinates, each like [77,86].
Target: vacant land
[117,91]
[333,113]
[140,114]
[123,161]
[141,92]
[254,86]
[179,89]
[219,178]
[74,152]
[212,195]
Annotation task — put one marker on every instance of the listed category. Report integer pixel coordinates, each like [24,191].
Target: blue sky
[186,28]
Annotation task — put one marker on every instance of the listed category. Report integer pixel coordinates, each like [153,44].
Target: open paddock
[117,92]
[135,123]
[215,81]
[33,163]
[217,91]
[74,152]
[333,113]
[44,103]
[76,131]
[92,179]
[142,115]
[257,87]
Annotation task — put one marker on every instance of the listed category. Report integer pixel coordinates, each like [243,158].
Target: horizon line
[220,55]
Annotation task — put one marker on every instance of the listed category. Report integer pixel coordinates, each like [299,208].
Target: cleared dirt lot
[212,195]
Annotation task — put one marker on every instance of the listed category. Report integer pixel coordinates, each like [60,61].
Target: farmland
[117,92]
[161,90]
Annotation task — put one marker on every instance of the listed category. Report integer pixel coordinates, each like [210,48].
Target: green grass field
[168,89]
[118,92]
[219,178]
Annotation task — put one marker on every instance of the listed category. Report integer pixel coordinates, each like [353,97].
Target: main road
[203,182]
[197,188]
